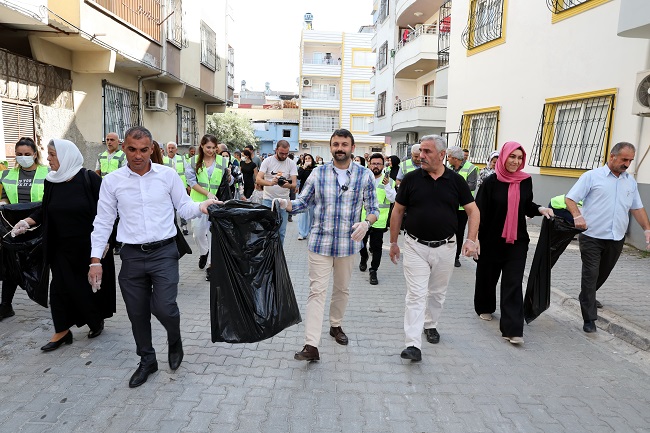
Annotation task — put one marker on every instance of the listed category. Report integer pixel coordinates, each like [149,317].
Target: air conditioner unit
[305,145]
[306,82]
[157,100]
[641,103]
[411,137]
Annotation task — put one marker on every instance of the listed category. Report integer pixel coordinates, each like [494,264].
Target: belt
[431,244]
[151,246]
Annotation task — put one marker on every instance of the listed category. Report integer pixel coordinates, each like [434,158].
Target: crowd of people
[133,199]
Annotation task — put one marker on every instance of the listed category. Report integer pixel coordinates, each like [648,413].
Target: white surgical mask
[25,161]
[226,159]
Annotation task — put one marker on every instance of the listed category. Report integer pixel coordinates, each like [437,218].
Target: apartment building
[409,83]
[78,69]
[335,74]
[560,77]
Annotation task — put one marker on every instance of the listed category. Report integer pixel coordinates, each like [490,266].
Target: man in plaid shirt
[337,191]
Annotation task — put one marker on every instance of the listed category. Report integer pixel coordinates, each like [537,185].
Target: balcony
[634,19]
[319,124]
[413,12]
[321,67]
[312,99]
[418,55]
[419,114]
[372,83]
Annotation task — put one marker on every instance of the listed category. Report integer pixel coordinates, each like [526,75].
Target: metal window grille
[383,10]
[478,134]
[382,57]
[186,125]
[175,31]
[557,6]
[120,109]
[574,134]
[320,121]
[380,109]
[444,33]
[485,23]
[209,47]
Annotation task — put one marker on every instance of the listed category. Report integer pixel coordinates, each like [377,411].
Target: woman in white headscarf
[488,170]
[69,208]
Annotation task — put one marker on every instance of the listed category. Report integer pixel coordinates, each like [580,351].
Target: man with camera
[278,175]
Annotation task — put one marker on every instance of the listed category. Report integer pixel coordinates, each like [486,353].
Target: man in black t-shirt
[431,195]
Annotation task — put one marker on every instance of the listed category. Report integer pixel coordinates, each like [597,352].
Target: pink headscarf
[514,179]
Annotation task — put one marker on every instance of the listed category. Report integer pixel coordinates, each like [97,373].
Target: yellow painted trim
[500,40]
[584,95]
[352,83]
[576,10]
[482,110]
[354,50]
[563,172]
[467,119]
[359,115]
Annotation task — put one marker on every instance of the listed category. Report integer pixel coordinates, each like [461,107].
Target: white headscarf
[70,160]
[492,155]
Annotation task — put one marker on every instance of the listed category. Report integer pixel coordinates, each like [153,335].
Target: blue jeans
[283,214]
[305,222]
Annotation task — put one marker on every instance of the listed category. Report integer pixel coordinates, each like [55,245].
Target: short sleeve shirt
[271,167]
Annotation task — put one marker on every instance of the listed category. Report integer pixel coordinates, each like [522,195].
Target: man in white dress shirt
[145,195]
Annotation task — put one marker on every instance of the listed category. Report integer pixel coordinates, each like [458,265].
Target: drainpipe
[163,66]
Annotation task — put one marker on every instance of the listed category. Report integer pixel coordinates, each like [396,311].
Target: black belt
[150,246]
[431,244]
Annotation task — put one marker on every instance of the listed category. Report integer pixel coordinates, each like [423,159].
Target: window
[18,121]
[175,23]
[383,10]
[320,121]
[360,123]
[186,125]
[478,133]
[382,58]
[363,58]
[574,131]
[208,47]
[361,90]
[286,133]
[120,109]
[380,109]
[485,26]
[567,8]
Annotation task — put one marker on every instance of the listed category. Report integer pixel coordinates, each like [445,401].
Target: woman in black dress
[249,172]
[505,199]
[69,208]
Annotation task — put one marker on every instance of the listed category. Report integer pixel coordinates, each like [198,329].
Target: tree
[231,129]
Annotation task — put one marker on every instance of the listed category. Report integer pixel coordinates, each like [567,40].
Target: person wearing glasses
[336,192]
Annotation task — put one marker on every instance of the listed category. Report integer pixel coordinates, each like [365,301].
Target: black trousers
[599,256]
[460,232]
[149,284]
[376,237]
[8,290]
[507,261]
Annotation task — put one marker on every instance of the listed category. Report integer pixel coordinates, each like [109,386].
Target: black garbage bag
[251,295]
[556,234]
[23,256]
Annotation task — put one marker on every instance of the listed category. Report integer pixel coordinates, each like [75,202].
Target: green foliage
[231,129]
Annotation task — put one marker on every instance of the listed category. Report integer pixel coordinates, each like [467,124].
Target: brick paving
[560,380]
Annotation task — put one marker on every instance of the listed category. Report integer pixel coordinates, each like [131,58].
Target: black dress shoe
[308,353]
[373,277]
[598,304]
[412,353]
[141,374]
[203,260]
[363,265]
[53,345]
[339,335]
[185,232]
[207,273]
[6,311]
[589,326]
[96,332]
[457,263]
[432,335]
[175,355]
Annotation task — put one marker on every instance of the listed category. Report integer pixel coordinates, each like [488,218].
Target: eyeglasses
[381,164]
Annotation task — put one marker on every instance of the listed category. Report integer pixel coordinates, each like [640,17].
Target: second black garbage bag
[251,295]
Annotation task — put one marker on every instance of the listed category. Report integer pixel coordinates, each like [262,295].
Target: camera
[282,180]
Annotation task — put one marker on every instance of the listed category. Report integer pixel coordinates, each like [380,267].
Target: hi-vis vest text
[407,166]
[384,206]
[465,171]
[106,166]
[9,179]
[211,184]
[177,164]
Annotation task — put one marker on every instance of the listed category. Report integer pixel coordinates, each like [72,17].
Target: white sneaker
[485,316]
[515,340]
[300,238]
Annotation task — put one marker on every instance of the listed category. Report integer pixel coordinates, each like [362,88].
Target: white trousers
[201,233]
[320,268]
[427,272]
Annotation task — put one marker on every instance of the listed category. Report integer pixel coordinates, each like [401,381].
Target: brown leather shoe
[308,353]
[339,335]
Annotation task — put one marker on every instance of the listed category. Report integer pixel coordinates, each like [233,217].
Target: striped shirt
[336,207]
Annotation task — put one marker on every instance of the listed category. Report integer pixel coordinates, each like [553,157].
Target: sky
[266,36]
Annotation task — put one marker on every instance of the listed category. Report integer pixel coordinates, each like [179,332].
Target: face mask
[25,161]
[226,159]
[244,158]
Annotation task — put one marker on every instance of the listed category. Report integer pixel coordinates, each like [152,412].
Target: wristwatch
[369,223]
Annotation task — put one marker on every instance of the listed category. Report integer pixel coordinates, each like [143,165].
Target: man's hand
[394,252]
[211,196]
[282,203]
[204,205]
[95,276]
[546,211]
[359,231]
[471,249]
[579,222]
[385,180]
[21,227]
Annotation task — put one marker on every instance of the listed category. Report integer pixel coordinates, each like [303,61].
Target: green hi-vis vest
[9,179]
[177,164]
[407,166]
[465,171]
[558,202]
[211,184]
[106,166]
[384,207]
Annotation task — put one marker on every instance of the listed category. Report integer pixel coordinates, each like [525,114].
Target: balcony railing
[307,61]
[426,29]
[309,94]
[419,101]
[319,124]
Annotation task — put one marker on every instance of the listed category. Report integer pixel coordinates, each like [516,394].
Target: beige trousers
[320,268]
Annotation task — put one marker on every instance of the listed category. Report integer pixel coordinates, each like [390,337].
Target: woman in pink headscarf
[505,199]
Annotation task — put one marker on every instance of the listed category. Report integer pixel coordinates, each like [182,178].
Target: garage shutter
[17,121]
